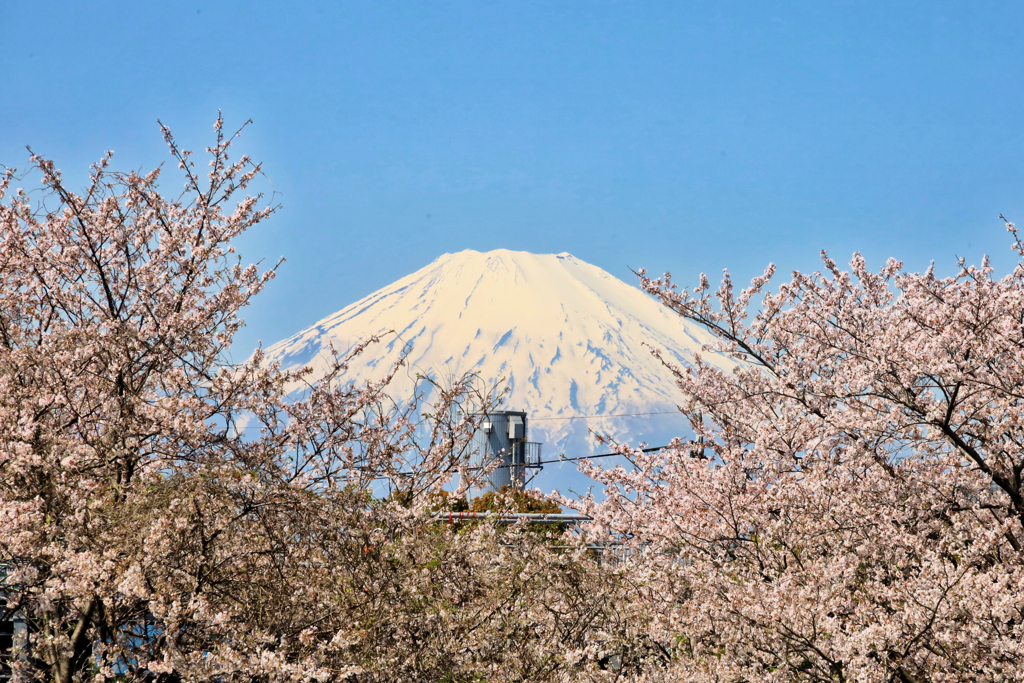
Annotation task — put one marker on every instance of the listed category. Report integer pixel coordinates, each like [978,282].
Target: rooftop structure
[502,441]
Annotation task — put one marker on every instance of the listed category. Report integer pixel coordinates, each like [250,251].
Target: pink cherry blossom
[855,510]
[168,513]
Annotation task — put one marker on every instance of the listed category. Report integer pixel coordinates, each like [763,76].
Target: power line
[519,464]
[547,419]
[591,457]
[582,457]
[595,417]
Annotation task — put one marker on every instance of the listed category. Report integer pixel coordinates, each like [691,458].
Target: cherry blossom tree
[167,513]
[855,511]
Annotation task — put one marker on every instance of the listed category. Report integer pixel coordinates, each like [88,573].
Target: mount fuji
[566,337]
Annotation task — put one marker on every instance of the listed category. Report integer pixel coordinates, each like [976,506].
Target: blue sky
[681,136]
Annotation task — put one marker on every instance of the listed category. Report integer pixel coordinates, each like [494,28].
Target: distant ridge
[566,335]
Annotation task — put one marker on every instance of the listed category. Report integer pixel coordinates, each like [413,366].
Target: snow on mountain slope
[566,336]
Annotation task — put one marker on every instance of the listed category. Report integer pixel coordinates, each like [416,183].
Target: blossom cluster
[852,508]
[168,513]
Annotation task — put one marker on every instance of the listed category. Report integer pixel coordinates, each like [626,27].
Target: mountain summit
[566,336]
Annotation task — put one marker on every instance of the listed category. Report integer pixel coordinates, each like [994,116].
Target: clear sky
[681,136]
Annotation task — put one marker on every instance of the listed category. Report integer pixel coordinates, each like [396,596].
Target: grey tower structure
[502,438]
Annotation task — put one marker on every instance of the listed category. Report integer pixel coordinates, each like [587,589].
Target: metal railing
[531,454]
[513,517]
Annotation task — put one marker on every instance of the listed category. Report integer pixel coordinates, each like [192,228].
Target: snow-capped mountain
[568,338]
